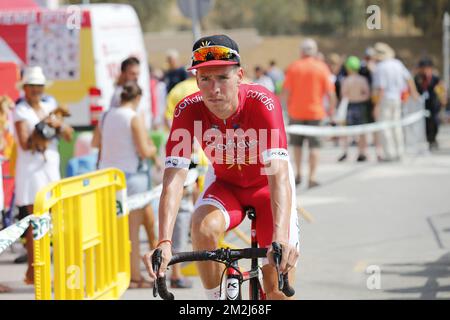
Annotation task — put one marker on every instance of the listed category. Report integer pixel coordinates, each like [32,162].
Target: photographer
[37,165]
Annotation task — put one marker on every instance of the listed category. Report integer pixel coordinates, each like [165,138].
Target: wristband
[162,241]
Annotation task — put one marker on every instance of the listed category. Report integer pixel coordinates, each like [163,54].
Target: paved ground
[380,231]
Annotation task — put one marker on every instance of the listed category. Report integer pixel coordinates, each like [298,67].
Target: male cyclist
[240,127]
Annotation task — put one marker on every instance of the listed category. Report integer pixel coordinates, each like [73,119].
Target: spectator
[355,89]
[368,65]
[277,76]
[262,79]
[389,79]
[130,71]
[178,92]
[176,73]
[34,170]
[429,85]
[7,156]
[6,141]
[123,143]
[158,92]
[3,288]
[307,82]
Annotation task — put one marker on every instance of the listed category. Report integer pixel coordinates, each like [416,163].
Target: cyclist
[240,127]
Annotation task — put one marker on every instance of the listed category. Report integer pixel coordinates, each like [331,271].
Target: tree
[427,15]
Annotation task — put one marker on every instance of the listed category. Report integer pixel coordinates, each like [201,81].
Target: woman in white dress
[34,170]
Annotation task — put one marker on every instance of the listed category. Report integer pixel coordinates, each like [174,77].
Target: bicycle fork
[233,284]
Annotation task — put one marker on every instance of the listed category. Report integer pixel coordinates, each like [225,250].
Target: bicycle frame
[235,279]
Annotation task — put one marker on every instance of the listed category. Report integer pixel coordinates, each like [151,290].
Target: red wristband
[162,241]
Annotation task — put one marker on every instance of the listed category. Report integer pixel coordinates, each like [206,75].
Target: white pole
[446,50]
[196,29]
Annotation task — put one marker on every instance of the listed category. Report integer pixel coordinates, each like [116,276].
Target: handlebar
[283,281]
[219,255]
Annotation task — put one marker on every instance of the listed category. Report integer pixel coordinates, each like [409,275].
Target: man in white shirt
[390,79]
[130,71]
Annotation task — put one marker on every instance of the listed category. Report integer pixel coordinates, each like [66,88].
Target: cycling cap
[216,50]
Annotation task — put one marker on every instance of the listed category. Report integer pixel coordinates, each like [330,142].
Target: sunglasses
[213,53]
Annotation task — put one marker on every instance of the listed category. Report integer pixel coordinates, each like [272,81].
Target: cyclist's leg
[216,211]
[208,224]
[260,200]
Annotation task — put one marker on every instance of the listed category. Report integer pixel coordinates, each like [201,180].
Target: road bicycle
[234,275]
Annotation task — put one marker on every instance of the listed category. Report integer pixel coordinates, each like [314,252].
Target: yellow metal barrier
[90,237]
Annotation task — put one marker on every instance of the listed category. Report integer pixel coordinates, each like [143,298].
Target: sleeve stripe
[177,162]
[272,154]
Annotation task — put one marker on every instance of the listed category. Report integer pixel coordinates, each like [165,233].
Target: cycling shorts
[231,201]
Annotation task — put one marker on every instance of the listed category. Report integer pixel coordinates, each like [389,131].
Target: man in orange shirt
[307,84]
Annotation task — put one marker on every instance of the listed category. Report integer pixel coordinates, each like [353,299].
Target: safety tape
[42,224]
[329,131]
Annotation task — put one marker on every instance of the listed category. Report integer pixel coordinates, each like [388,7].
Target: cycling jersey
[239,146]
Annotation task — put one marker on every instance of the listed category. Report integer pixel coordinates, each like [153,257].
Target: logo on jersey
[263,98]
[185,103]
[177,162]
[234,148]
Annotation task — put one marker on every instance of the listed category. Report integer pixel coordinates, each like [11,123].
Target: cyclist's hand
[166,256]
[288,258]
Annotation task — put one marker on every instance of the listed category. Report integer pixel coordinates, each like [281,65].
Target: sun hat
[33,76]
[383,51]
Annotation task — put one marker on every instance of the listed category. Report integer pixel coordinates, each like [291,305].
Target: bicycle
[229,257]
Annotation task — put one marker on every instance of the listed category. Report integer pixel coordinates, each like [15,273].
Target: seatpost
[251,214]
[254,288]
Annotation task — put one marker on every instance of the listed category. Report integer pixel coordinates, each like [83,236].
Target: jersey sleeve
[270,123]
[179,142]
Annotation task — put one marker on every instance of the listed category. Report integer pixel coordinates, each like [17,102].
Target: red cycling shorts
[231,201]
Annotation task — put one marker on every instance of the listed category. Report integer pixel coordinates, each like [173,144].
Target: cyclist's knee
[208,224]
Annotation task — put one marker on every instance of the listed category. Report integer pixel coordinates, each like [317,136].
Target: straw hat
[383,51]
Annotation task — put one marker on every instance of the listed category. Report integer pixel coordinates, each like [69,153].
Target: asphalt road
[379,231]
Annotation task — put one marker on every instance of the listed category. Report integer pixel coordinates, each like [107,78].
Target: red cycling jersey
[238,147]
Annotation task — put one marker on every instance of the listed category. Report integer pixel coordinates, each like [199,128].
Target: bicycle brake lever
[156,264]
[277,258]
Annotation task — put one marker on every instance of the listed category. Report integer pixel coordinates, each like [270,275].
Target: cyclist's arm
[276,160]
[281,200]
[169,203]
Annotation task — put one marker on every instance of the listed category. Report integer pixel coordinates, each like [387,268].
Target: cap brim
[213,63]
